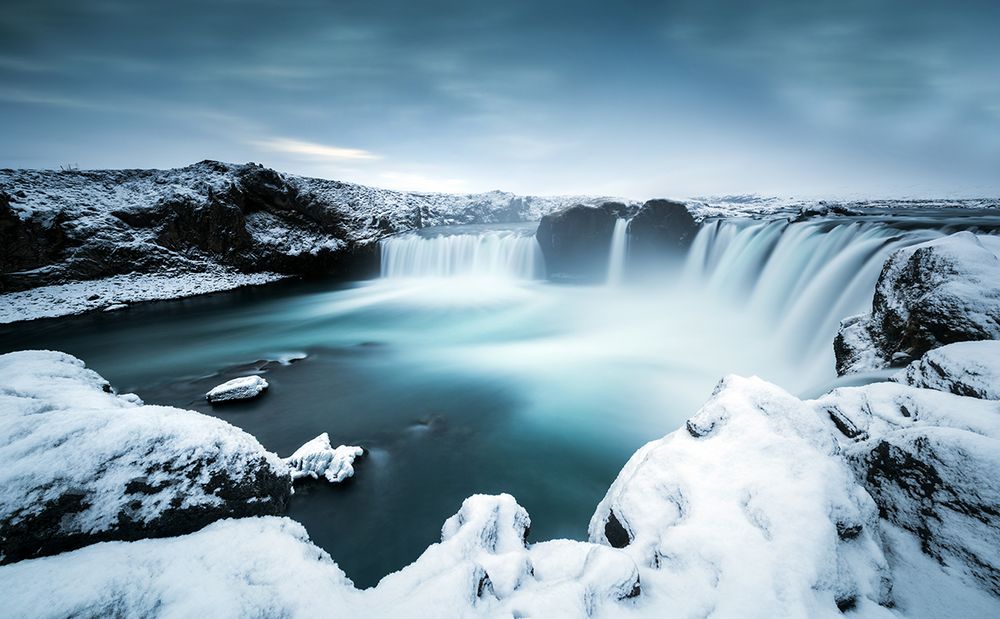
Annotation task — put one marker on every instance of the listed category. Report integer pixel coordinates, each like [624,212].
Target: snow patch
[317,458]
[84,296]
[964,368]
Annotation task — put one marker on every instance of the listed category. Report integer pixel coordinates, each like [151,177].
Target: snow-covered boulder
[318,458]
[928,295]
[930,461]
[965,368]
[82,464]
[747,510]
[242,388]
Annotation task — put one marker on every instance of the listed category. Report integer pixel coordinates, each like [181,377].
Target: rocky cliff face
[64,226]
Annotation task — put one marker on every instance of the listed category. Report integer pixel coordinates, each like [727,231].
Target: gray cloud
[687,96]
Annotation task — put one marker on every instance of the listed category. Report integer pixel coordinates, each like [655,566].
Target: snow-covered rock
[318,458]
[928,295]
[266,567]
[242,388]
[930,461]
[747,510]
[965,368]
[82,464]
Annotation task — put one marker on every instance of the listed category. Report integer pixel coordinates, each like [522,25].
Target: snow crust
[964,368]
[242,388]
[318,458]
[84,296]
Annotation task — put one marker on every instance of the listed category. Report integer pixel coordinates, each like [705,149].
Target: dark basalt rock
[575,243]
[620,209]
[661,229]
[26,244]
[188,230]
[216,227]
[825,210]
[259,492]
[615,532]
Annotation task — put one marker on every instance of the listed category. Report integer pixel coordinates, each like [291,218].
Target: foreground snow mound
[242,388]
[266,567]
[251,567]
[318,458]
[748,507]
[930,460]
[928,295]
[484,564]
[82,464]
[966,368]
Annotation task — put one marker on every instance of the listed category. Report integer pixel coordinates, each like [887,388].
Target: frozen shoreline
[104,294]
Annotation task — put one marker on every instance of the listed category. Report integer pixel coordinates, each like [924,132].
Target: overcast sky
[683,98]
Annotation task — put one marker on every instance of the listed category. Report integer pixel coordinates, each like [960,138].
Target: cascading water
[797,279]
[511,254]
[619,252]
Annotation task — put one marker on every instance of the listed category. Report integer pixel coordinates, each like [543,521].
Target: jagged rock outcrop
[575,242]
[84,465]
[928,295]
[966,368]
[661,229]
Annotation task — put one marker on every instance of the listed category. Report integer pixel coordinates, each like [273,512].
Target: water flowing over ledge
[452,252]
[802,277]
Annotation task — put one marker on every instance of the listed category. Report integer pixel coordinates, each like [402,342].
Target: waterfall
[619,252]
[510,254]
[801,279]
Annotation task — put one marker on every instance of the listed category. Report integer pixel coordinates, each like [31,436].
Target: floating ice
[242,388]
